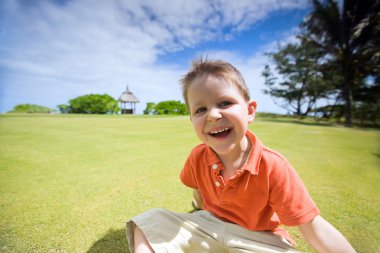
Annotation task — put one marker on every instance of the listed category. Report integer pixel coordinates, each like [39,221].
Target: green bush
[63,108]
[149,108]
[31,108]
[169,107]
[91,104]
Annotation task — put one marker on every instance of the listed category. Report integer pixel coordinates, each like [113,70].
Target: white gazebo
[125,98]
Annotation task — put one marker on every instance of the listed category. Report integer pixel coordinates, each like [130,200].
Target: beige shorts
[199,232]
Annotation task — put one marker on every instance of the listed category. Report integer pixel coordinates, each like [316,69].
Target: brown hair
[218,68]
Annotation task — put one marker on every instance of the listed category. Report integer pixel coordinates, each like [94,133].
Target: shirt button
[214,166]
[217,184]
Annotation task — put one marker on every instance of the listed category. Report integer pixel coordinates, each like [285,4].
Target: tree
[349,37]
[93,104]
[63,108]
[170,107]
[149,108]
[367,101]
[31,108]
[301,83]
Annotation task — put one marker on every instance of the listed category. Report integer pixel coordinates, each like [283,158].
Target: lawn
[68,183]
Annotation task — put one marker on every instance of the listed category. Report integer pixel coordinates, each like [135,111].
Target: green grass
[69,183]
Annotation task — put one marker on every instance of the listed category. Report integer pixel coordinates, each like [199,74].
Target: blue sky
[53,51]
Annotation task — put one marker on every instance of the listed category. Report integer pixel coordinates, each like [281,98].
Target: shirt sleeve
[187,174]
[289,197]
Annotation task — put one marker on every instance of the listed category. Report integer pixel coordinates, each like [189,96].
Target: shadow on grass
[114,241]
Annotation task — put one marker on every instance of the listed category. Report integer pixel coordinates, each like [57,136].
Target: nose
[214,114]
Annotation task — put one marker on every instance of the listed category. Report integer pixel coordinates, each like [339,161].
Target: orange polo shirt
[265,193]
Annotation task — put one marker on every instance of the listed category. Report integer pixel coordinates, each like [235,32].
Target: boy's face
[219,114]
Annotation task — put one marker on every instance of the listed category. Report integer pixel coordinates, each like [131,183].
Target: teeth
[219,131]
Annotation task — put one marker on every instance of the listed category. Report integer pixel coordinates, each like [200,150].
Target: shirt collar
[253,162]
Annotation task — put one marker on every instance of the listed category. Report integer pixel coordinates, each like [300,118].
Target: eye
[224,104]
[200,110]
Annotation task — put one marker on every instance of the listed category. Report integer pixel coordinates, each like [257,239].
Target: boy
[245,189]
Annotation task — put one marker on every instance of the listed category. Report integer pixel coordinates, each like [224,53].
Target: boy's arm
[197,199]
[323,237]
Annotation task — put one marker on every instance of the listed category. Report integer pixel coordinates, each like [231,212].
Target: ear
[252,105]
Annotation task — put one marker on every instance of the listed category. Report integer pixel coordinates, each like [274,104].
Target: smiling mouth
[221,132]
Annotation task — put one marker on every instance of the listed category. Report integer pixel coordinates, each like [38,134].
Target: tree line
[103,104]
[87,104]
[333,69]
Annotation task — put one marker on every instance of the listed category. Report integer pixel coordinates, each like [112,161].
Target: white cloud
[52,52]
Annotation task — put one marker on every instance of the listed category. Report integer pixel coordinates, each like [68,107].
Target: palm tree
[349,35]
[301,84]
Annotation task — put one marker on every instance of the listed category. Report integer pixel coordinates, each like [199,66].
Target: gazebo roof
[128,96]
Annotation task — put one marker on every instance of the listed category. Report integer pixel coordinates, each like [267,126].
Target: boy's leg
[172,232]
[141,243]
[199,232]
